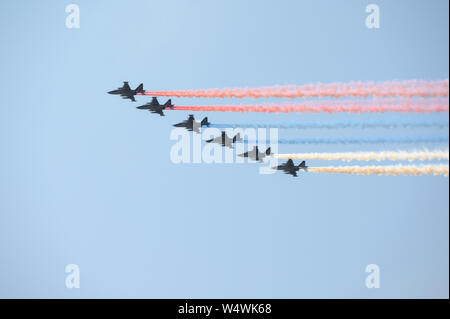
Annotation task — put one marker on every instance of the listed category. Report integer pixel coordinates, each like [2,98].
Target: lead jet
[255,154]
[290,168]
[191,125]
[224,140]
[155,107]
[127,93]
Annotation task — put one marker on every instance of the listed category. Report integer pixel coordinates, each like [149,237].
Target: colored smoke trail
[369,156]
[410,88]
[351,140]
[333,106]
[384,170]
[336,125]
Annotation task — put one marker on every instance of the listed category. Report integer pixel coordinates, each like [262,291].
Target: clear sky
[86,179]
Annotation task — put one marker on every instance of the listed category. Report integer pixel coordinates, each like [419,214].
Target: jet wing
[195,128]
[182,124]
[288,172]
[126,86]
[160,112]
[229,144]
[127,96]
[154,102]
[219,140]
[254,157]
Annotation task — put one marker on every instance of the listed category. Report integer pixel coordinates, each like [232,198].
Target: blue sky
[86,178]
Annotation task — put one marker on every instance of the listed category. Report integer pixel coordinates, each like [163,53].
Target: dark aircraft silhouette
[191,125]
[290,168]
[155,107]
[224,140]
[255,154]
[127,93]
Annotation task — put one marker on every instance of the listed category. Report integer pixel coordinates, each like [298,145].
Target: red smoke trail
[411,88]
[350,106]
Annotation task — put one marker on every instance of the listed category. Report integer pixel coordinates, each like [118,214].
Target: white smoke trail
[372,156]
[384,170]
[362,140]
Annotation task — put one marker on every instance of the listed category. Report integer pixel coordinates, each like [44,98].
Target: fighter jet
[191,125]
[224,140]
[290,168]
[127,93]
[155,107]
[255,154]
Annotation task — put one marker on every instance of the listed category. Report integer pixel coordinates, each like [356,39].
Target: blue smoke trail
[336,125]
[350,140]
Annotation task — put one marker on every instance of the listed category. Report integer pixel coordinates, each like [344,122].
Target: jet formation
[192,125]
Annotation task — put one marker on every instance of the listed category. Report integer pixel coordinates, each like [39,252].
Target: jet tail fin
[268,151]
[140,88]
[205,122]
[237,137]
[303,166]
[168,104]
